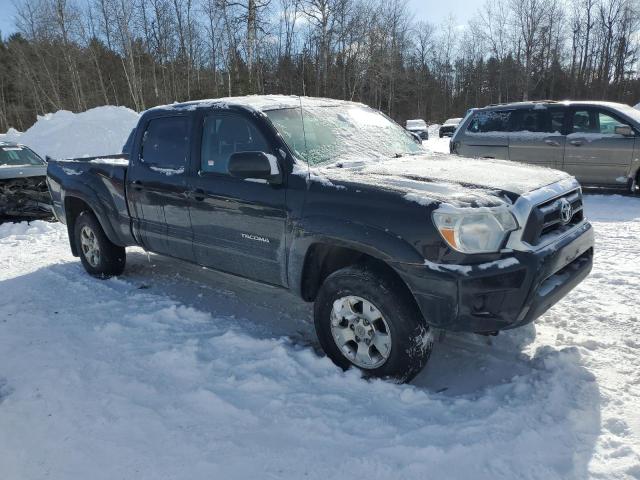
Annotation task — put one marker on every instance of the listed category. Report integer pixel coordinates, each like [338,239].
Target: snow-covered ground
[173,371]
[436,143]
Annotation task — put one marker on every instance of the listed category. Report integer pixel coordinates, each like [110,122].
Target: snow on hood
[457,180]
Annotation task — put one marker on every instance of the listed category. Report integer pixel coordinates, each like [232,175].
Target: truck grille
[553,218]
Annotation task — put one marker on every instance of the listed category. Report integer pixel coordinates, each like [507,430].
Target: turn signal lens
[449,235]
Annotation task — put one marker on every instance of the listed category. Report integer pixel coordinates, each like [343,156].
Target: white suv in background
[597,142]
[418,127]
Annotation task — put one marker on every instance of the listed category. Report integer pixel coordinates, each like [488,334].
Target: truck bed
[100,183]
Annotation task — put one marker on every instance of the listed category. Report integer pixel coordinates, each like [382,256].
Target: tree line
[77,54]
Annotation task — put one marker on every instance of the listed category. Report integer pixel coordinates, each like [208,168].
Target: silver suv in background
[597,142]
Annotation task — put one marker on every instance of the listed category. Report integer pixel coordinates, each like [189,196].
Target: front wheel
[365,319]
[99,256]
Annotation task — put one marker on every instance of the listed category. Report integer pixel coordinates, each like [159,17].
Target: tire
[99,256]
[441,134]
[411,340]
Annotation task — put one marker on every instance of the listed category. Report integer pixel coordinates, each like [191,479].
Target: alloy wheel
[90,246]
[360,332]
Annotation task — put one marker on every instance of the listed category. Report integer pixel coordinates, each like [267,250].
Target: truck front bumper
[503,294]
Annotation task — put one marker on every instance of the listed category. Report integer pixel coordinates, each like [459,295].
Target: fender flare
[374,242]
[91,199]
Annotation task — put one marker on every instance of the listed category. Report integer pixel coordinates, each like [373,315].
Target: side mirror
[255,165]
[624,130]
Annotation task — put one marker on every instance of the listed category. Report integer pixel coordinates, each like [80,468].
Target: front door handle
[553,143]
[577,143]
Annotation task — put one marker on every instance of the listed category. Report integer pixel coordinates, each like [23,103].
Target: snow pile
[11,133]
[26,231]
[64,134]
[172,371]
[637,106]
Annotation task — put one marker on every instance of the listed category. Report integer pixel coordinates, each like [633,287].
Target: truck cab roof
[260,103]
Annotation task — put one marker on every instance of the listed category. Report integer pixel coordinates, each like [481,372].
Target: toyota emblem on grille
[566,211]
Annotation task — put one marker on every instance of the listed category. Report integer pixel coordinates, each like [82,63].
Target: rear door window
[533,120]
[539,120]
[165,144]
[490,121]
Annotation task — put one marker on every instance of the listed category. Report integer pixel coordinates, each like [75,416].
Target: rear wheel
[365,319]
[99,256]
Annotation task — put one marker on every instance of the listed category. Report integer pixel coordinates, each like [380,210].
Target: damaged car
[23,183]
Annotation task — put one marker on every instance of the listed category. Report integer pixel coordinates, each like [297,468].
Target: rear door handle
[577,143]
[137,184]
[553,143]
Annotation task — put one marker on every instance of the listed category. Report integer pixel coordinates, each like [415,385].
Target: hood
[22,171]
[449,178]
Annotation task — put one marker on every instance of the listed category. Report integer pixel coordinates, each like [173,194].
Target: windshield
[631,112]
[15,155]
[331,134]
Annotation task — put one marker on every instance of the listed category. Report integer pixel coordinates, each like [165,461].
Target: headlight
[469,231]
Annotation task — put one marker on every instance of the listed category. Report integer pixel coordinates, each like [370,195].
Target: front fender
[375,242]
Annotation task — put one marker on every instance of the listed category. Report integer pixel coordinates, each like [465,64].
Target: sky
[433,11]
[437,11]
[7,12]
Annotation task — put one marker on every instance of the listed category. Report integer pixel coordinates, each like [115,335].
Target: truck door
[595,154]
[157,186]
[238,225]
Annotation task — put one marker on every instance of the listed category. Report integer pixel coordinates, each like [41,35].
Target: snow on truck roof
[543,103]
[261,103]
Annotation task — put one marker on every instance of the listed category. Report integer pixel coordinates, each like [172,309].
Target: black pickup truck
[338,203]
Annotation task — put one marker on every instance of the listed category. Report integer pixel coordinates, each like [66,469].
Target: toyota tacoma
[338,203]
